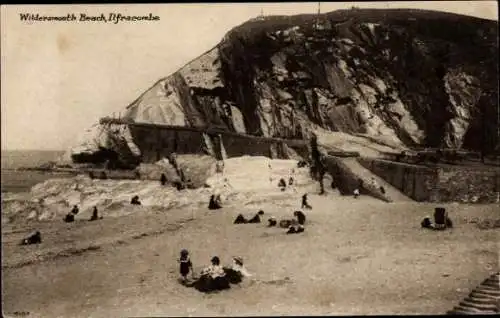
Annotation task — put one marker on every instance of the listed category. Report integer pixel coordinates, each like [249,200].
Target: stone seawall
[467,185]
[159,141]
[439,184]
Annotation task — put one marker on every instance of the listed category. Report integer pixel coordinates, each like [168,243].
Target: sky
[59,78]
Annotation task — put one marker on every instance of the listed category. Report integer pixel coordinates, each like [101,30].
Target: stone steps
[485,299]
[476,305]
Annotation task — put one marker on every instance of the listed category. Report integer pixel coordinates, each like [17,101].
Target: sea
[14,180]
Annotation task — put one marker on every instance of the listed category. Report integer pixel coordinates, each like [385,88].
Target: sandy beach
[357,256]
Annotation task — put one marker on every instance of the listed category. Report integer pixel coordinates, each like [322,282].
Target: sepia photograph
[250,159]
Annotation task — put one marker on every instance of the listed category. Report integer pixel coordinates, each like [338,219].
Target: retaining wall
[157,141]
[439,184]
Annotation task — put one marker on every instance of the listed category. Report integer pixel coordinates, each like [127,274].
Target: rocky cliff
[402,77]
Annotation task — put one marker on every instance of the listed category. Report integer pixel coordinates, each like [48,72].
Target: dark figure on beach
[294,229]
[236,272]
[382,189]
[271,222]
[212,278]
[135,200]
[69,218]
[95,215]
[185,264]
[427,223]
[440,216]
[290,181]
[256,218]
[214,203]
[240,219]
[163,179]
[282,184]
[234,276]
[441,220]
[75,210]
[35,238]
[305,204]
[301,218]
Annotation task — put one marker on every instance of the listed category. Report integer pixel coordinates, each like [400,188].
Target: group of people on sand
[36,237]
[70,217]
[282,184]
[294,225]
[214,276]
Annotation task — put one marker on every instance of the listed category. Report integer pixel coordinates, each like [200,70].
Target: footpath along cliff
[402,78]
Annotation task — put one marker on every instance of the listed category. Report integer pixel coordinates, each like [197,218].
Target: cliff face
[408,77]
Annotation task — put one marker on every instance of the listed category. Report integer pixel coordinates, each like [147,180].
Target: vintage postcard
[250,159]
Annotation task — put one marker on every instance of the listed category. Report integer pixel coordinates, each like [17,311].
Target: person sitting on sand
[95,215]
[185,265]
[294,229]
[301,218]
[212,277]
[215,269]
[282,184]
[135,200]
[35,238]
[238,266]
[305,204]
[237,271]
[240,219]
[256,218]
[290,181]
[69,218]
[427,223]
[272,221]
[214,203]
[75,210]
[216,275]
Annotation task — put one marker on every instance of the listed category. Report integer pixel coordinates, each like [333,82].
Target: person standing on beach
[75,210]
[305,204]
[356,193]
[185,264]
